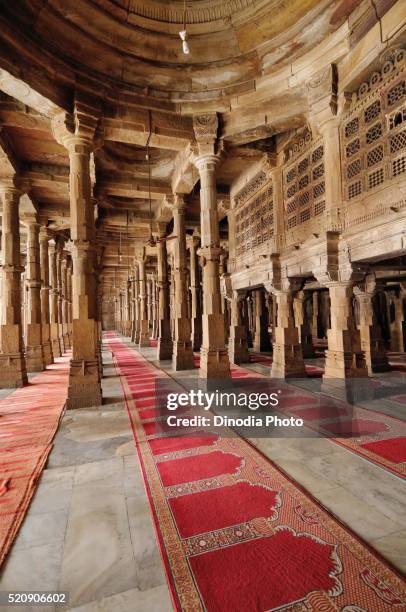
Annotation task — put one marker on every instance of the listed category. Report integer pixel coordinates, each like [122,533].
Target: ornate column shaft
[196,314]
[182,357]
[64,287]
[61,327]
[214,362]
[53,301]
[13,372]
[315,314]
[164,347]
[45,288]
[69,288]
[84,380]
[34,350]
[143,315]
[136,333]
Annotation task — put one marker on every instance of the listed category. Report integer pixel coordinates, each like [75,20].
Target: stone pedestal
[34,350]
[45,321]
[214,361]
[182,356]
[261,338]
[13,372]
[164,346]
[287,351]
[344,358]
[237,343]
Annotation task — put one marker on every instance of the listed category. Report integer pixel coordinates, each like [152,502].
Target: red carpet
[358,435]
[29,419]
[236,534]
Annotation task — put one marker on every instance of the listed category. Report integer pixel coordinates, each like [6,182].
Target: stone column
[344,358]
[64,287]
[84,378]
[395,319]
[315,314]
[137,326]
[182,357]
[372,344]
[34,350]
[45,288]
[214,361]
[196,314]
[261,338]
[69,288]
[303,323]
[164,347]
[287,351]
[13,372]
[223,271]
[61,327]
[53,301]
[143,315]
[237,343]
[149,305]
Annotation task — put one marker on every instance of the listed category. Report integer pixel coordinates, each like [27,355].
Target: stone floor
[89,532]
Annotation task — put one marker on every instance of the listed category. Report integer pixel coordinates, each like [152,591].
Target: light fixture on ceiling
[183,33]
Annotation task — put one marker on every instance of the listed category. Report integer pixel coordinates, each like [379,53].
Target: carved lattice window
[373,133]
[302,197]
[255,207]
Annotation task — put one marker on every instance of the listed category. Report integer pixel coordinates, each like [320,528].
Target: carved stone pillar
[261,338]
[149,306]
[164,347]
[214,362]
[61,326]
[84,379]
[69,289]
[182,357]
[344,358]
[13,372]
[34,350]
[287,351]
[136,333]
[303,322]
[315,314]
[372,344]
[237,343]
[64,292]
[45,287]
[395,320]
[53,301]
[143,314]
[222,271]
[196,314]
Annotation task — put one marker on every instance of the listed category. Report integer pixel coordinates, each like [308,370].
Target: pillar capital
[80,129]
[206,161]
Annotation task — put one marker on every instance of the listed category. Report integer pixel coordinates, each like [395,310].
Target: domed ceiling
[135,43]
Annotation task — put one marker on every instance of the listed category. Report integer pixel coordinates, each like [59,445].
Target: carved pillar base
[13,372]
[287,352]
[84,384]
[196,333]
[214,363]
[46,344]
[165,345]
[287,361]
[55,343]
[182,357]
[34,354]
[238,345]
[344,358]
[143,340]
